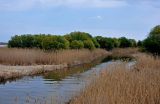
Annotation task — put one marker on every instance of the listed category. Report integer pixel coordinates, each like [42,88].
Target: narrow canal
[50,88]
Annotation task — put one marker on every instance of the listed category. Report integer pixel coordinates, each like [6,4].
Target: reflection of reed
[58,75]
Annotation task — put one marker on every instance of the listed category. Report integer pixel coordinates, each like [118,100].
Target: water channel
[57,87]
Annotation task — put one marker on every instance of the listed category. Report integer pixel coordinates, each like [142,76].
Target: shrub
[105,43]
[139,43]
[46,42]
[97,45]
[80,36]
[116,42]
[152,42]
[38,39]
[15,42]
[76,44]
[133,43]
[54,42]
[89,44]
[124,42]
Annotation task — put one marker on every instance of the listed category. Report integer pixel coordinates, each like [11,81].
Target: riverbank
[23,62]
[139,84]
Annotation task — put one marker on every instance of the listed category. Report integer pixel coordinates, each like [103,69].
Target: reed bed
[16,63]
[13,56]
[124,52]
[122,85]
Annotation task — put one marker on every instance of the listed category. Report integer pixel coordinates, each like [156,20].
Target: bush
[105,43]
[76,44]
[139,43]
[55,42]
[46,42]
[15,42]
[124,42]
[97,45]
[74,40]
[89,44]
[38,39]
[133,43]
[152,43]
[116,42]
[80,36]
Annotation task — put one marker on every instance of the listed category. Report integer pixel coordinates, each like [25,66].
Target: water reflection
[52,87]
[58,75]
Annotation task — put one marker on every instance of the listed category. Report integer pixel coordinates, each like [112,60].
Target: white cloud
[29,4]
[97,17]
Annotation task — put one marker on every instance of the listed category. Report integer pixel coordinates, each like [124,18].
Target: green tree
[105,43]
[27,41]
[38,39]
[133,43]
[76,44]
[139,43]
[152,42]
[78,36]
[116,42]
[97,45]
[15,41]
[124,42]
[81,36]
[155,31]
[54,42]
[89,44]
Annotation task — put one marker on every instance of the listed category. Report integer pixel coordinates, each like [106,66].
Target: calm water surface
[54,87]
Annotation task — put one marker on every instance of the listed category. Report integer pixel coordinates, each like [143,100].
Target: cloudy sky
[110,18]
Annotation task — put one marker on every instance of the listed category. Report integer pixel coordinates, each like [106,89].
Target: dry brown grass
[22,62]
[119,85]
[14,56]
[147,62]
[124,52]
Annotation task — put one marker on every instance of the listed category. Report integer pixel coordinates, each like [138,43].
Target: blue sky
[109,18]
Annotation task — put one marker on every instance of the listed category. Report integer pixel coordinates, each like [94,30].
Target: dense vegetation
[152,42]
[41,41]
[110,43]
[74,40]
[79,40]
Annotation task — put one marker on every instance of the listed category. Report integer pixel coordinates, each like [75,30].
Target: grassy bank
[21,62]
[119,85]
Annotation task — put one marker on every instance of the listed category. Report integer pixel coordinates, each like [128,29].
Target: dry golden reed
[120,85]
[13,56]
[126,52]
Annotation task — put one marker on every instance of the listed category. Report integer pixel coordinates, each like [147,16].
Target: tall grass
[119,85]
[13,56]
[124,52]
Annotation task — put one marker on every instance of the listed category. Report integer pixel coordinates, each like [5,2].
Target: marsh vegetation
[139,84]
[118,83]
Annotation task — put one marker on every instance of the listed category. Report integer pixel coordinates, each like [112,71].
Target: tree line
[79,40]
[73,40]
[152,42]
